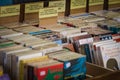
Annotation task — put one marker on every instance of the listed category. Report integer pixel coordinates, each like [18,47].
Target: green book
[6,44]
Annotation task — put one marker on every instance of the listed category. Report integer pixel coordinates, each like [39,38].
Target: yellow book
[1,71]
[25,61]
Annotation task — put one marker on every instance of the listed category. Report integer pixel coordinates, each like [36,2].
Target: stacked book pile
[5,33]
[111,25]
[28,29]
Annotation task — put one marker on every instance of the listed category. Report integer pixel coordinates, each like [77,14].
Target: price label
[33,7]
[60,4]
[12,10]
[48,12]
[75,4]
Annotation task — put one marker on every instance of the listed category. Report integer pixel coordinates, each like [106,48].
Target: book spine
[30,72]
[87,52]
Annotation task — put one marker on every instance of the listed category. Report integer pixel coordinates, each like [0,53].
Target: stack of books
[28,29]
[5,33]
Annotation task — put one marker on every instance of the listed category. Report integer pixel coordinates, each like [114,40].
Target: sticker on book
[67,65]
[12,10]
[42,73]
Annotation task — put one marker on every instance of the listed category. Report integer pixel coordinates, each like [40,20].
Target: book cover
[46,70]
[19,56]
[96,51]
[110,53]
[74,64]
[23,64]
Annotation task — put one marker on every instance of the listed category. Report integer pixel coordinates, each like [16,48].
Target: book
[69,47]
[7,44]
[105,13]
[4,77]
[76,42]
[47,69]
[3,40]
[19,56]
[71,36]
[96,31]
[71,61]
[96,51]
[44,44]
[15,25]
[23,66]
[110,53]
[5,33]
[21,38]
[6,55]
[28,29]
[53,36]
[1,70]
[111,25]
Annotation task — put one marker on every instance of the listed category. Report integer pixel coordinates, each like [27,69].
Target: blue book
[40,32]
[5,2]
[87,52]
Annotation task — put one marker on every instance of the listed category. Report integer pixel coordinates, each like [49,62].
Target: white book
[7,52]
[109,53]
[20,56]
[52,49]
[69,36]
[93,47]
[43,44]
[11,35]
[71,31]
[97,52]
